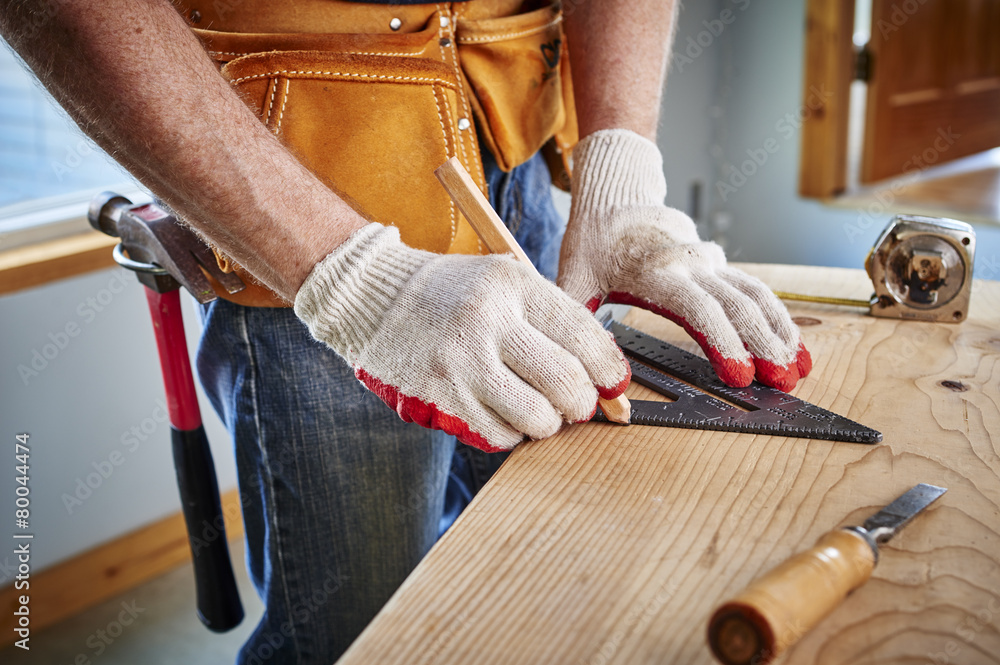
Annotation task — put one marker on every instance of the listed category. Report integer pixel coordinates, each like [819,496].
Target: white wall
[686,127]
[80,405]
[685,134]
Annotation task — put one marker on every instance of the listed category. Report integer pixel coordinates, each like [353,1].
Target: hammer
[165,255]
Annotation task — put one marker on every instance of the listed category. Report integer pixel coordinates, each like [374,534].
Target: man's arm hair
[619,53]
[138,82]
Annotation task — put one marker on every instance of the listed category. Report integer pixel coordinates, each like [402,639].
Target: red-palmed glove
[624,246]
[481,347]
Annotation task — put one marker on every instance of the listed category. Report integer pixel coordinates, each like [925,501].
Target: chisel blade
[884,524]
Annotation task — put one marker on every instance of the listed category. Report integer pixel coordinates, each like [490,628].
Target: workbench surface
[610,544]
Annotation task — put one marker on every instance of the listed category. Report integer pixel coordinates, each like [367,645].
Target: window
[48,169]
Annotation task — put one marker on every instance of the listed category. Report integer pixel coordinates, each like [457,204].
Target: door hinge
[862,63]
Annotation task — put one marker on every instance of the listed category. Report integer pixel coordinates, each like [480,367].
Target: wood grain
[827,75]
[72,586]
[613,545]
[25,267]
[934,92]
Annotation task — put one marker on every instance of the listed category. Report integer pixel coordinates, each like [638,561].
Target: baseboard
[87,579]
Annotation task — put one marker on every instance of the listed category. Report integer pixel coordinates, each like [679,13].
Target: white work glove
[624,246]
[481,347]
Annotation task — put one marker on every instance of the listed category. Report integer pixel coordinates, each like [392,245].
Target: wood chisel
[494,234]
[777,609]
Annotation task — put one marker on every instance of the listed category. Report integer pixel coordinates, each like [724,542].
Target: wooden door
[934,84]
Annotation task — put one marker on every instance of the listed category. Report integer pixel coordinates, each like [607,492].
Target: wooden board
[607,544]
[35,265]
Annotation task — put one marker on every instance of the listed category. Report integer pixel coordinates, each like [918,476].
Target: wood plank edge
[77,584]
[828,67]
[35,265]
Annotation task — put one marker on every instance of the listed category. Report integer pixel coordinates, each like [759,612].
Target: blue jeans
[341,499]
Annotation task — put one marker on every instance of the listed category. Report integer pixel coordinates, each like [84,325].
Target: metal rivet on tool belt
[395,24]
[463,124]
[445,42]
[444,21]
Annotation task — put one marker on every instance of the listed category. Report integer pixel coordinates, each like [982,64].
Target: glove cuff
[614,168]
[347,293]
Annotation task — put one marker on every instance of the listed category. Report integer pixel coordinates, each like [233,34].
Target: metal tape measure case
[921,268]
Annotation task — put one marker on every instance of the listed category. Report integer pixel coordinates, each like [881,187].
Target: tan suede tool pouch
[374,114]
[519,75]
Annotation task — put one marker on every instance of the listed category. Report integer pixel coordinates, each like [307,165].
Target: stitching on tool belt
[292,72]
[452,50]
[444,136]
[281,111]
[459,144]
[509,35]
[394,55]
[270,104]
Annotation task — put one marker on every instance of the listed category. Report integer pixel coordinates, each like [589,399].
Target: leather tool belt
[373,98]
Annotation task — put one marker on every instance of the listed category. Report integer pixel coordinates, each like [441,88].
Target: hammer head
[154,237]
[105,210]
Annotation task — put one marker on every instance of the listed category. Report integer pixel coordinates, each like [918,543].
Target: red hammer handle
[219,606]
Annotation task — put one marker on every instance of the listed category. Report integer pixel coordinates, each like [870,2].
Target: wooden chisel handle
[777,609]
[494,234]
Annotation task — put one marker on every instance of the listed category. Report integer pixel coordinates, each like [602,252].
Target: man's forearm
[619,51]
[139,83]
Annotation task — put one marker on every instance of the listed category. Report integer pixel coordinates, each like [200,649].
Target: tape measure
[921,268]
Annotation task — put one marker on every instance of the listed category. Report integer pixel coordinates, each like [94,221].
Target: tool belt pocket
[370,115]
[519,75]
[374,114]
[373,125]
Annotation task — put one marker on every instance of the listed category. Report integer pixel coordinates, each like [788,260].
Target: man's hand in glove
[478,346]
[624,246]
